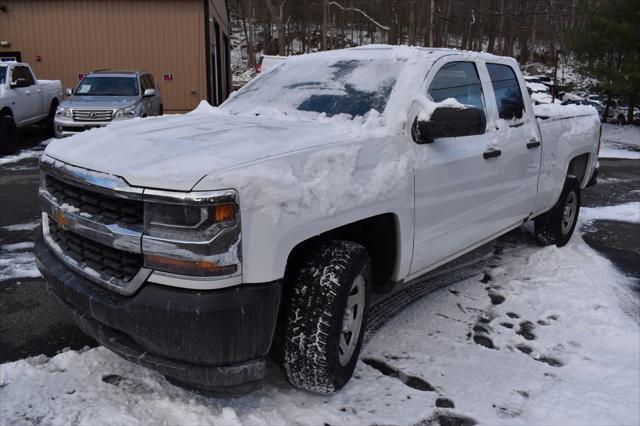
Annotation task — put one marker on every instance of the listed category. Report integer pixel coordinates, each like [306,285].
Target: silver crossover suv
[105,96]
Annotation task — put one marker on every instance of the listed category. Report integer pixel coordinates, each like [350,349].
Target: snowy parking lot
[536,335]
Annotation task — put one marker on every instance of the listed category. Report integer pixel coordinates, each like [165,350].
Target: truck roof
[109,72]
[432,51]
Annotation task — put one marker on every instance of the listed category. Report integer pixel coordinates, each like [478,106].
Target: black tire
[553,227]
[48,122]
[315,312]
[161,112]
[8,135]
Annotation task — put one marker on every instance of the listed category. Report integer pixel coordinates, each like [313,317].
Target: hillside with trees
[602,35]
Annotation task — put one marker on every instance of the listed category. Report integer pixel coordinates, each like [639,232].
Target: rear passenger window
[458,80]
[507,91]
[144,82]
[152,83]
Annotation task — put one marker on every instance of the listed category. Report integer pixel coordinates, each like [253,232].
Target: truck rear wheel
[8,135]
[557,225]
[326,316]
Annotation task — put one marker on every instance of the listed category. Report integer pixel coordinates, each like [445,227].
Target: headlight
[63,112]
[126,112]
[195,234]
[187,221]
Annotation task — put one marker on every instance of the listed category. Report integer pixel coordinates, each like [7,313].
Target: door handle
[491,153]
[533,143]
[27,92]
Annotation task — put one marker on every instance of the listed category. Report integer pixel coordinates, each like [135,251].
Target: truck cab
[24,100]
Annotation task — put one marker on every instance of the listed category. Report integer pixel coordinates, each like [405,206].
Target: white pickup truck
[24,101]
[186,243]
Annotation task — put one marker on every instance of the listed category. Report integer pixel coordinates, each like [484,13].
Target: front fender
[292,198]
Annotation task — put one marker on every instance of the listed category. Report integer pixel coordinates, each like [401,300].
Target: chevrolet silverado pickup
[198,244]
[24,101]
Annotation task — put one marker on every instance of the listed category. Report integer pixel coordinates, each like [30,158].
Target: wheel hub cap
[569,212]
[352,320]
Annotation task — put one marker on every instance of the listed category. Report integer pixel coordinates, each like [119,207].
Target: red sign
[168,77]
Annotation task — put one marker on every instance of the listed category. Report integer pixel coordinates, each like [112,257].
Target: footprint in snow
[526,330]
[127,384]
[411,381]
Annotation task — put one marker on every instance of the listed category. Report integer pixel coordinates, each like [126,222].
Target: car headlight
[126,112]
[187,221]
[63,112]
[196,234]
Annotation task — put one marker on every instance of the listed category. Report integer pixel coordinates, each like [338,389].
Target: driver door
[457,179]
[28,102]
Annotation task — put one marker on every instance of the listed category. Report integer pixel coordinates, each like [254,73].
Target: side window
[144,82]
[26,74]
[458,80]
[507,91]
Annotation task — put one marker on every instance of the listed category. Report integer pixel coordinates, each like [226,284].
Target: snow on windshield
[347,82]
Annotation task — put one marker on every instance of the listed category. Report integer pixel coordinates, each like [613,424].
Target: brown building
[184,43]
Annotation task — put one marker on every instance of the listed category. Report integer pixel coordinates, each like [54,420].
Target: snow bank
[22,155]
[561,111]
[629,212]
[17,246]
[620,142]
[17,265]
[627,135]
[22,226]
[563,353]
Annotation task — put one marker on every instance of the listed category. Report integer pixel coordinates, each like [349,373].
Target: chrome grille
[104,208]
[104,260]
[92,115]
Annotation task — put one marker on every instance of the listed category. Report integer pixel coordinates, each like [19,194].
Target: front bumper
[67,126]
[212,341]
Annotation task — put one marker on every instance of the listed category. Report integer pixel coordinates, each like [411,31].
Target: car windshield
[3,74]
[348,83]
[108,86]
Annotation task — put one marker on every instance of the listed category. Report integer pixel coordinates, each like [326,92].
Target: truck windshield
[330,84]
[3,74]
[108,86]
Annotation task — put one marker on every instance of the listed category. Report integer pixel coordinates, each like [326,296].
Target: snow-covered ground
[541,338]
[620,141]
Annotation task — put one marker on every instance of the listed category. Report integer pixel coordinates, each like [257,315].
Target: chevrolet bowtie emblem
[61,219]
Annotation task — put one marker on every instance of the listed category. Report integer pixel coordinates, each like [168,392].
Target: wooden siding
[77,36]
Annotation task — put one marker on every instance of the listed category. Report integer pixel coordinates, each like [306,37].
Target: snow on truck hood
[175,152]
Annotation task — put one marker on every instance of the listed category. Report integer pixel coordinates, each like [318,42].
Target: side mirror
[19,82]
[68,91]
[149,93]
[447,122]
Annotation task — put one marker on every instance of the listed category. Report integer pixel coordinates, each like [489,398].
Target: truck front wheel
[8,135]
[557,225]
[48,122]
[326,316]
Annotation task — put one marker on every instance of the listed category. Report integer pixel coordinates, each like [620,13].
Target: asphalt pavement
[34,323]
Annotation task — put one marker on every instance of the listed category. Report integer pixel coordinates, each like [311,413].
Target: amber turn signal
[223,212]
[200,268]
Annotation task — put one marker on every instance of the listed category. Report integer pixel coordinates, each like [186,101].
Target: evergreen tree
[608,46]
